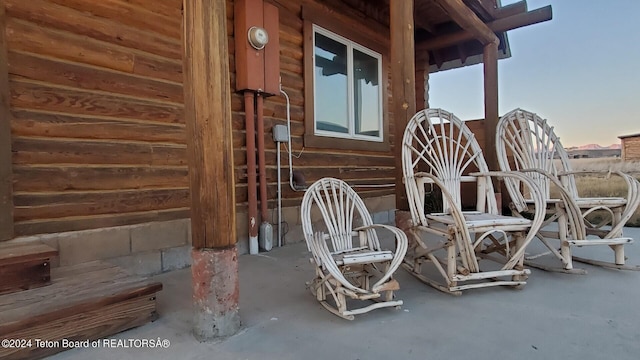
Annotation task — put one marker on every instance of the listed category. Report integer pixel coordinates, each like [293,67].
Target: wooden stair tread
[20,252]
[84,302]
[73,289]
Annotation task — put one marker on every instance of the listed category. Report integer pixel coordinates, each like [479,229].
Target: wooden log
[122,12]
[209,125]
[53,205]
[469,21]
[6,177]
[490,63]
[33,123]
[47,14]
[167,8]
[324,159]
[29,151]
[504,24]
[403,83]
[82,178]
[27,37]
[89,78]
[44,97]
[158,68]
[74,223]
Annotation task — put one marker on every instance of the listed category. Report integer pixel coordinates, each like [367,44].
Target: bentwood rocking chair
[527,143]
[439,149]
[349,260]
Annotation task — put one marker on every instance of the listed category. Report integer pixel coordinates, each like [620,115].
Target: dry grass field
[603,185]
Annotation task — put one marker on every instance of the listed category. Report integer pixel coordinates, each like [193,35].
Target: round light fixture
[258,37]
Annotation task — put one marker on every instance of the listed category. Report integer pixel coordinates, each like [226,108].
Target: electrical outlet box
[280,133]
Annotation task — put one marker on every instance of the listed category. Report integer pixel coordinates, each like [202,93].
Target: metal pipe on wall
[265,236]
[249,108]
[262,167]
[278,164]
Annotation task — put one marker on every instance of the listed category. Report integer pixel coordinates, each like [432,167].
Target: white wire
[290,152]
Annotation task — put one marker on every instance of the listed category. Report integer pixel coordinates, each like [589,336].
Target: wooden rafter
[468,20]
[500,25]
[424,25]
[511,10]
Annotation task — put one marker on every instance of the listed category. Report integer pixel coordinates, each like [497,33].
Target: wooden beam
[468,20]
[500,25]
[424,25]
[209,126]
[402,82]
[490,60]
[484,8]
[516,8]
[6,186]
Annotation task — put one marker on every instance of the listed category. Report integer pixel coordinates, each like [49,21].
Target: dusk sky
[580,70]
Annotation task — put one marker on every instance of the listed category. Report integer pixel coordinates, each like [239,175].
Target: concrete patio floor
[556,316]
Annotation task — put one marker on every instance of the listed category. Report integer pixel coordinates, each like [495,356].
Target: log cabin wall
[631,148]
[98,135]
[356,167]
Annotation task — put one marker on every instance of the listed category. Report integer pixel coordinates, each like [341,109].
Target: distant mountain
[595,147]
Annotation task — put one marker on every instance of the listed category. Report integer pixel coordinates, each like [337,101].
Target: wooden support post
[490,60]
[6,186]
[422,80]
[210,154]
[402,83]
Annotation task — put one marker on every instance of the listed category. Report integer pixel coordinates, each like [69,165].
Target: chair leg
[519,239]
[617,217]
[619,252]
[452,267]
[565,248]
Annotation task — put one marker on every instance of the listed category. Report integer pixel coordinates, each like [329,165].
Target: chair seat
[363,257]
[604,201]
[477,220]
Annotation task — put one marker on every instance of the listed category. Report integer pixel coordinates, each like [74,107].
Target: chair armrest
[401,237]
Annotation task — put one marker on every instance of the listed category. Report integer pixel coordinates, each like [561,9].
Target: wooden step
[25,266]
[84,302]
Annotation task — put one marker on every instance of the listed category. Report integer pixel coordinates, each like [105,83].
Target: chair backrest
[526,141]
[437,142]
[341,209]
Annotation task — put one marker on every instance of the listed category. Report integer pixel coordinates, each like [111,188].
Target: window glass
[366,94]
[331,85]
[347,90]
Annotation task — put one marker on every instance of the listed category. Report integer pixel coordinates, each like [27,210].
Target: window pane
[366,93]
[332,112]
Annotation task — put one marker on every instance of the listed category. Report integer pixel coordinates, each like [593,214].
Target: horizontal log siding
[97,114]
[98,133]
[631,148]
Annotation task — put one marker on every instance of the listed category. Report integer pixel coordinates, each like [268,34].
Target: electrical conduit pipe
[249,108]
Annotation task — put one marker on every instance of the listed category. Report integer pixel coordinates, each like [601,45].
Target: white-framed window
[347,89]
